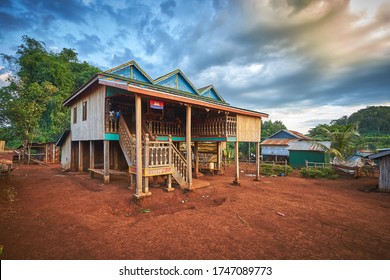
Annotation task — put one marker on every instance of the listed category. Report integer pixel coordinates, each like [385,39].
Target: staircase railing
[127,142]
[179,163]
[158,154]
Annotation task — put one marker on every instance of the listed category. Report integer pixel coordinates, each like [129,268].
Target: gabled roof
[177,80]
[131,70]
[300,135]
[182,90]
[288,134]
[210,91]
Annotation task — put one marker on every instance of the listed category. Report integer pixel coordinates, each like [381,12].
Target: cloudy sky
[303,62]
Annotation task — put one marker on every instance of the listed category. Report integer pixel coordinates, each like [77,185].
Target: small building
[65,143]
[274,148]
[384,169]
[311,151]
[47,153]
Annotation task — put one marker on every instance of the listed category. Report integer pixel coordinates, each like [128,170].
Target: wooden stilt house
[122,119]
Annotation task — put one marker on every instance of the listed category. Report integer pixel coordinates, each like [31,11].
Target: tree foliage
[31,105]
[344,138]
[372,123]
[268,128]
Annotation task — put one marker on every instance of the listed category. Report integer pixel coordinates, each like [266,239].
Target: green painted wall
[297,158]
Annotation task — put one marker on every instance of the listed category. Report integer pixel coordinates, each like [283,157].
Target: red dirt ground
[49,214]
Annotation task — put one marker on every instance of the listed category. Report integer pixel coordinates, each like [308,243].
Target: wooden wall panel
[248,128]
[93,127]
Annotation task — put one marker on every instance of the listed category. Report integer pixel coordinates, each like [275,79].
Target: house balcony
[221,127]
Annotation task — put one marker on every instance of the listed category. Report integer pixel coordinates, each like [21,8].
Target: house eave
[182,99]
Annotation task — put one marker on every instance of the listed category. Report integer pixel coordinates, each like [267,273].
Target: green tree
[37,71]
[268,128]
[319,132]
[344,139]
[26,107]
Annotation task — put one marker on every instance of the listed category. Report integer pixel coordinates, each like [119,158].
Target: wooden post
[249,152]
[196,152]
[81,157]
[219,155]
[106,171]
[188,144]
[138,146]
[237,175]
[170,160]
[91,154]
[46,153]
[257,161]
[285,167]
[91,157]
[146,164]
[54,153]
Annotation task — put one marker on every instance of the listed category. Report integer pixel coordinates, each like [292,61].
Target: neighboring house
[384,169]
[65,143]
[122,119]
[311,151]
[274,148]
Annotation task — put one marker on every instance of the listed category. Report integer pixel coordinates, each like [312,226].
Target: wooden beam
[196,152]
[219,155]
[91,154]
[106,171]
[138,146]
[81,157]
[257,161]
[188,144]
[237,163]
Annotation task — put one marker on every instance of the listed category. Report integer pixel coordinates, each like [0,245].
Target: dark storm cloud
[13,22]
[70,10]
[209,39]
[167,7]
[89,44]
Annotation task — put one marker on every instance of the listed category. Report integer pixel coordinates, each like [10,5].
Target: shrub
[318,173]
[277,169]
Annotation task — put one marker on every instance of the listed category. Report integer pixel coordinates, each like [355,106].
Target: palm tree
[343,139]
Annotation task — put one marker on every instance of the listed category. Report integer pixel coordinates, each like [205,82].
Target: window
[75,115]
[84,110]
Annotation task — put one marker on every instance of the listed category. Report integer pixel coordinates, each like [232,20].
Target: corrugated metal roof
[309,146]
[300,135]
[380,155]
[277,142]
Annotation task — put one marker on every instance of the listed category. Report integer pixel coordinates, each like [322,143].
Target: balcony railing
[111,123]
[221,126]
[165,128]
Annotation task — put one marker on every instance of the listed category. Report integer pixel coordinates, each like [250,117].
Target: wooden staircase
[180,173]
[126,142]
[155,150]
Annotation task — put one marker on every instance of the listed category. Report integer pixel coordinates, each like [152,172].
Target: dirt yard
[49,214]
